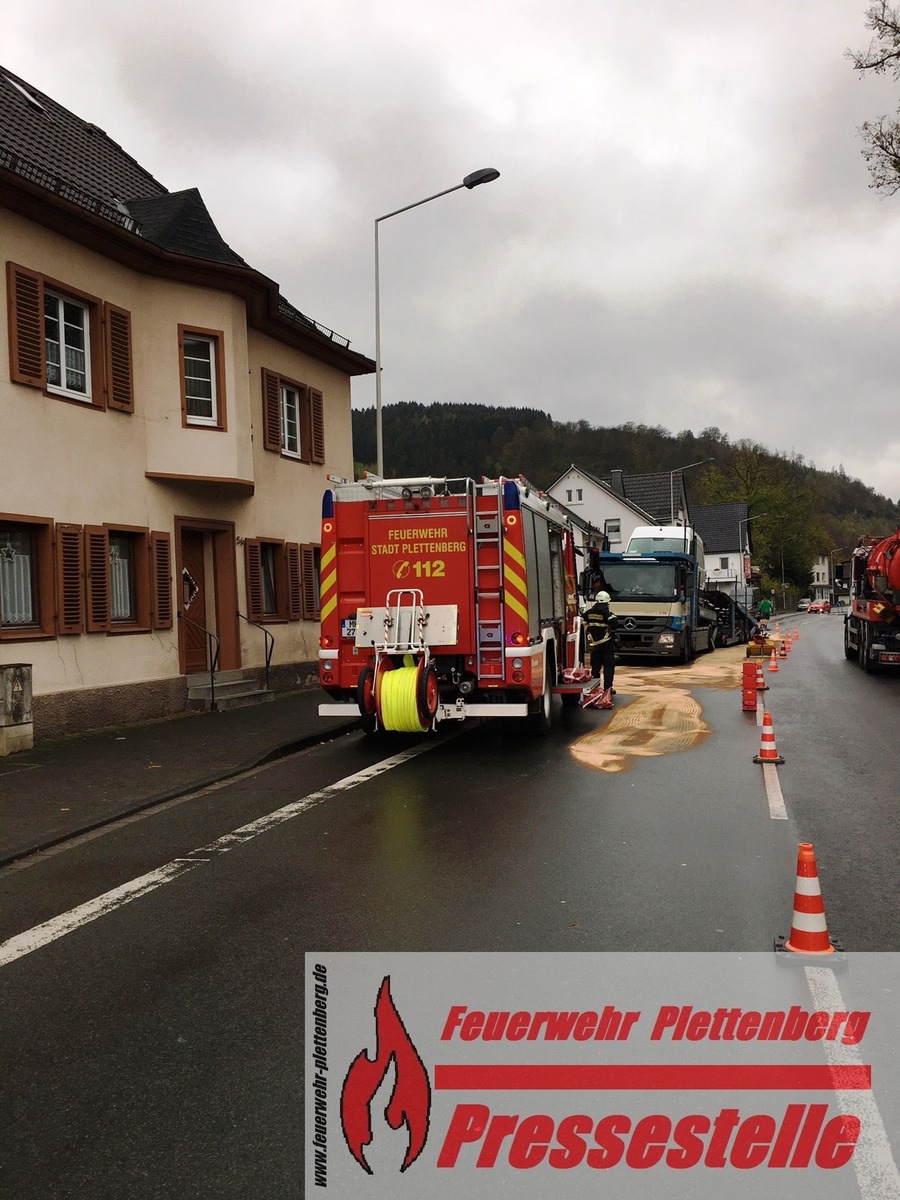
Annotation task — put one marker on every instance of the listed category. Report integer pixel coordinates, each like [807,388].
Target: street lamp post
[701,463]
[485,175]
[745,521]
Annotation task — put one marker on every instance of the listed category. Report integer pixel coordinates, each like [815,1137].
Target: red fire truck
[872,626]
[443,599]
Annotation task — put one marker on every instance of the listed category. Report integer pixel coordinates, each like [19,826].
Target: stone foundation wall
[59,713]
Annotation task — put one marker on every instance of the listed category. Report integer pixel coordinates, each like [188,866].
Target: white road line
[873,1162]
[57,927]
[777,811]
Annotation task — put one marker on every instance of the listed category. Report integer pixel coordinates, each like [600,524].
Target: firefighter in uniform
[600,629]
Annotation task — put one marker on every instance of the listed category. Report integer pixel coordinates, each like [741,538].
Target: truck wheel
[427,694]
[849,651]
[864,661]
[365,699]
[540,718]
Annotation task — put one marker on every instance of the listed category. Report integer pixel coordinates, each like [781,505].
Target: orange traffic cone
[809,933]
[783,648]
[773,661]
[778,627]
[761,685]
[767,751]
[797,634]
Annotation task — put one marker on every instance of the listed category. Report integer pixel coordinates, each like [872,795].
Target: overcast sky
[682,234]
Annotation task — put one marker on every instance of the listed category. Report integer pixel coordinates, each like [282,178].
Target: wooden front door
[192,599]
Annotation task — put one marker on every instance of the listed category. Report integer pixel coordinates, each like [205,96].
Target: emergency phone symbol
[401,569]
[410,1102]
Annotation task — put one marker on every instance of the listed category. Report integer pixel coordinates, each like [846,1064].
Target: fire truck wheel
[427,694]
[864,660]
[365,692]
[540,718]
[365,700]
[849,651]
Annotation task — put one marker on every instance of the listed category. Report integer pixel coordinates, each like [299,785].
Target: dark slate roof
[53,148]
[56,142]
[180,222]
[719,526]
[652,493]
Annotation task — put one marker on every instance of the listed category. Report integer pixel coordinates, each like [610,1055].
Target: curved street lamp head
[485,175]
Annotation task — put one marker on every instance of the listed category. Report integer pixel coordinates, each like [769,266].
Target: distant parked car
[822,606]
[803,605]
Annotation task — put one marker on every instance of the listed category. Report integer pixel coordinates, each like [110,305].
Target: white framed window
[199,365]
[290,420]
[613,531]
[723,564]
[122,595]
[18,596]
[68,346]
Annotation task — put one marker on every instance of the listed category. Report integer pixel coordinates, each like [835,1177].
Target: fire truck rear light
[326,665]
[518,677]
[517,639]
[326,640]
[328,503]
[518,664]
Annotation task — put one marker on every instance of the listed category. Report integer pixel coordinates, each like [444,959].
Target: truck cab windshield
[639,580]
[647,545]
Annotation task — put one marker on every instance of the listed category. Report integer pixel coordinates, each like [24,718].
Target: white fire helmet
[602,597]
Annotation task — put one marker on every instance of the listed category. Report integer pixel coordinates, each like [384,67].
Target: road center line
[57,927]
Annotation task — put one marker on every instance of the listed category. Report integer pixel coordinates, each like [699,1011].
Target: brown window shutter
[271,400]
[317,421]
[253,561]
[119,370]
[69,579]
[310,588]
[161,580]
[97,553]
[27,363]
[295,581]
[305,426]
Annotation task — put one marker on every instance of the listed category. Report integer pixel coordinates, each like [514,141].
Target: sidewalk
[71,785]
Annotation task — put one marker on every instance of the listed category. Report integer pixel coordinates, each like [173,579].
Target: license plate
[889,658]
[348,627]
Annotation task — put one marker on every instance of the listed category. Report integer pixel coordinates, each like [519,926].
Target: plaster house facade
[602,505]
[168,421]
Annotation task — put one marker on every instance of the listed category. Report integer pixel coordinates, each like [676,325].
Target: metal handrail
[270,642]
[213,657]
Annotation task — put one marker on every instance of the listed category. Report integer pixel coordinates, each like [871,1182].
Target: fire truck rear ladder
[491,634]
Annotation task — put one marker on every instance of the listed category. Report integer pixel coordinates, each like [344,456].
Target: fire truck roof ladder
[491,636]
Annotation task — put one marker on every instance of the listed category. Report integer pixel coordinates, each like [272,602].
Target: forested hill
[478,439]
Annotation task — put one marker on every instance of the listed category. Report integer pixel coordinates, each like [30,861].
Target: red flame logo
[410,1101]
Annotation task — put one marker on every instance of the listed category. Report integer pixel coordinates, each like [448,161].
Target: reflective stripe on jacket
[600,626]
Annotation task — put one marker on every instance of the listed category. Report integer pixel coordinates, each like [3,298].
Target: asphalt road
[155,1051]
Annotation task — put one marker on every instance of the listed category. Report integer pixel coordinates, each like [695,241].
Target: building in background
[168,422]
[727,542]
[602,505]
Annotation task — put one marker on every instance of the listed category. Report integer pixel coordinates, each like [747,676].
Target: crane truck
[442,599]
[872,624]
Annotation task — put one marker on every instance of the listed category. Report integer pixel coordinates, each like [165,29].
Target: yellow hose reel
[405,699]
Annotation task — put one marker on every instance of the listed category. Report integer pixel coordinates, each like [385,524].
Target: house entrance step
[233,689]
